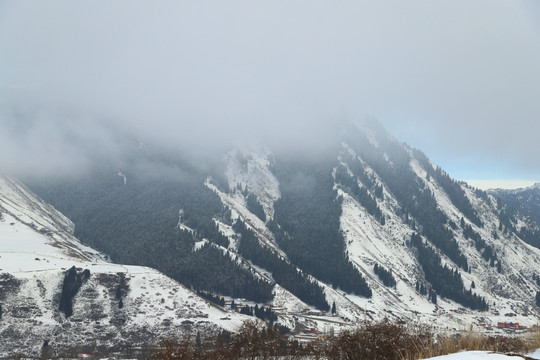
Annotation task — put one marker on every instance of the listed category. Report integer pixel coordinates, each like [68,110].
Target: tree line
[444,280]
[306,224]
[283,272]
[393,167]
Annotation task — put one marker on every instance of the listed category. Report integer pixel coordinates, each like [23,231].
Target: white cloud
[461,73]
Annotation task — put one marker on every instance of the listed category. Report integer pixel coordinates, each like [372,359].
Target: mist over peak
[198,77]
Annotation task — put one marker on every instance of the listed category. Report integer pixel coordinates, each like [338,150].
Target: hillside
[364,224]
[55,289]
[525,201]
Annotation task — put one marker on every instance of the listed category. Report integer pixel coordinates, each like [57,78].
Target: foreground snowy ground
[482,355]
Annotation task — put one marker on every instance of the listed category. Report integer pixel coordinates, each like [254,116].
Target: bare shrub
[173,350]
[382,340]
[376,341]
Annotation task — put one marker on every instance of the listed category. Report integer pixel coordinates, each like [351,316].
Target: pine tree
[198,339]
[334,307]
[46,350]
[432,296]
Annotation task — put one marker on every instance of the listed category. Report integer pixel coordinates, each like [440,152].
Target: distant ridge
[501,184]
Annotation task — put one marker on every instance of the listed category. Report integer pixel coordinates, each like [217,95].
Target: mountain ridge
[525,201]
[369,207]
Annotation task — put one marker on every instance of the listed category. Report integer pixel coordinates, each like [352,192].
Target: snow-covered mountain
[500,267]
[524,200]
[368,228]
[115,305]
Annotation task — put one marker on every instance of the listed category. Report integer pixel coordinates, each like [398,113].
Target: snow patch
[251,169]
[477,355]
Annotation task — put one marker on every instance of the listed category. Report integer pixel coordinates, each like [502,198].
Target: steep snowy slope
[510,292]
[368,226]
[490,265]
[287,305]
[116,305]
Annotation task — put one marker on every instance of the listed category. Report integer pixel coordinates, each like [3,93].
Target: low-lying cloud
[447,77]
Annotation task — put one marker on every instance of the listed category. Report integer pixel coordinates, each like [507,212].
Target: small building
[508,325]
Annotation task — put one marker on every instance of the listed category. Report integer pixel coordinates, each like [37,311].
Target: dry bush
[534,340]
[376,341]
[254,340]
[257,340]
[389,341]
[504,344]
[173,350]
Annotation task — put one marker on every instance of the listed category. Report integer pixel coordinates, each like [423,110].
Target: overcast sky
[458,79]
